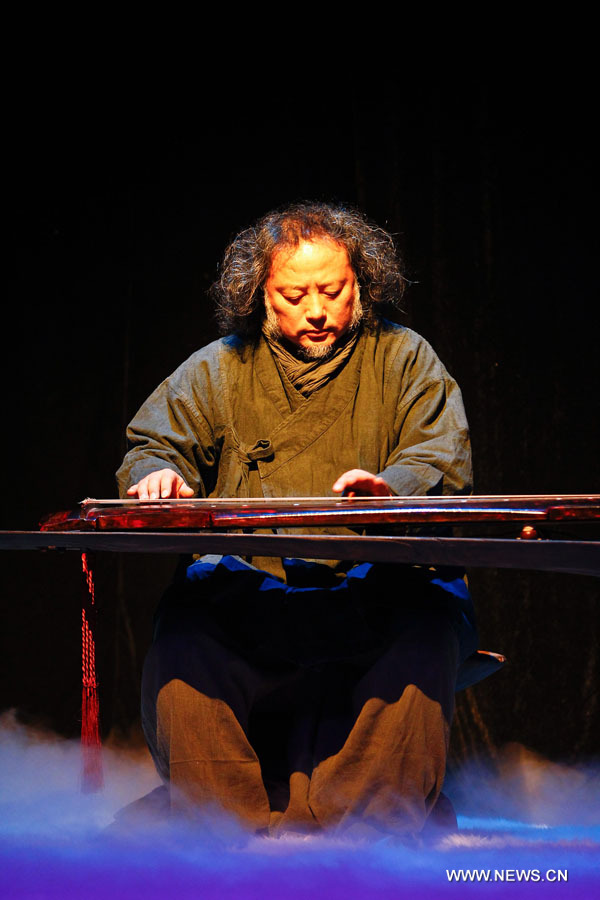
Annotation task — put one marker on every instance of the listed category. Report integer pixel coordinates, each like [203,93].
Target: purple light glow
[55,842]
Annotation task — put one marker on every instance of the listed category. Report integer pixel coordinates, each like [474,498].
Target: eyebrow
[301,287]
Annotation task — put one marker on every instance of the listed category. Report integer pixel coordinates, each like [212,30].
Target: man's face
[312,293]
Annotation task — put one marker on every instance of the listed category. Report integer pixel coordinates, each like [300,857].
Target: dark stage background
[119,210]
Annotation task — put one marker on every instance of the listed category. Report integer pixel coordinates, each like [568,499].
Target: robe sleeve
[432,454]
[171,430]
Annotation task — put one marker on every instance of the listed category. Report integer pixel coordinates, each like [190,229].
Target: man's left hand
[359,483]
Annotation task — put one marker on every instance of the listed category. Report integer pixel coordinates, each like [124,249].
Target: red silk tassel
[92,778]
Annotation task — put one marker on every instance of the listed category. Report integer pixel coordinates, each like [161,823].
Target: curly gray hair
[238,292]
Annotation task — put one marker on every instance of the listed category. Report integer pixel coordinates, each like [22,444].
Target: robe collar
[309,376]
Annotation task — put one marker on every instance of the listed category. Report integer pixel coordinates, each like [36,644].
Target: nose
[315,310]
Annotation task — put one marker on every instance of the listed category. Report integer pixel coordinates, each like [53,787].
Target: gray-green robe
[231,425]
[224,420]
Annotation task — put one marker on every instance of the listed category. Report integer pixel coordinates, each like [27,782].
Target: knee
[423,653]
[426,639]
[190,658]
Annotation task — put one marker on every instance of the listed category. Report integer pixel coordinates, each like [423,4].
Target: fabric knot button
[262,449]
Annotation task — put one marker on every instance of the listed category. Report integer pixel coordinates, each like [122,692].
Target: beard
[273,330]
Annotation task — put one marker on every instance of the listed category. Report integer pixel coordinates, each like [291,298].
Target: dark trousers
[356,744]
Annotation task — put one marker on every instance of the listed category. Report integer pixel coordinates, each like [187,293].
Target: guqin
[542,529]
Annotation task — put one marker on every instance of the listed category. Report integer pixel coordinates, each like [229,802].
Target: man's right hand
[162,484]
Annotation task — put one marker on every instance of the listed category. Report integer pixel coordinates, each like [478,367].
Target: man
[301,695]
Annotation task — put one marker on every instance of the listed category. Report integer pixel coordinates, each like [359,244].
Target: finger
[132,490]
[184,490]
[360,482]
[342,481]
[141,488]
[168,484]
[153,486]
[348,479]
